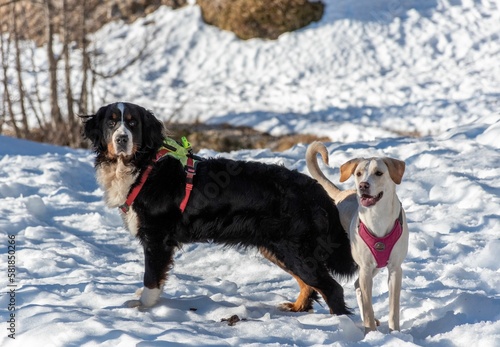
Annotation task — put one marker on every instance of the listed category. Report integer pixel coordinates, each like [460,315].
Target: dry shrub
[226,138]
[129,10]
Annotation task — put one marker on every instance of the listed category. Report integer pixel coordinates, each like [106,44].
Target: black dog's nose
[364,186]
[121,139]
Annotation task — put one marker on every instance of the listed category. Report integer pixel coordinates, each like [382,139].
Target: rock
[260,18]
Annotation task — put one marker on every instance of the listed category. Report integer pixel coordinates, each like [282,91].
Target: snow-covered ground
[76,266]
[370,71]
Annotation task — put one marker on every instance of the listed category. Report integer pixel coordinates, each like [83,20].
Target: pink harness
[381,247]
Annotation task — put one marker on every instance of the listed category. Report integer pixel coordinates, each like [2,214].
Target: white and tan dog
[376,221]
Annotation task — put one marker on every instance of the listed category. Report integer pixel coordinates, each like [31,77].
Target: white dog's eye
[358,173]
[379,173]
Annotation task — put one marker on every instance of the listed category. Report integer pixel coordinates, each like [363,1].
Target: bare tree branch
[20,84]
[5,51]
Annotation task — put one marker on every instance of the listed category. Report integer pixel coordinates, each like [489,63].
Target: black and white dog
[288,216]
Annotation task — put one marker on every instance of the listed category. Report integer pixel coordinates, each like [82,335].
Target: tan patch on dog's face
[111,151]
[396,169]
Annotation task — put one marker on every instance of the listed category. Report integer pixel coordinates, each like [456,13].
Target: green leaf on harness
[185,143]
[176,151]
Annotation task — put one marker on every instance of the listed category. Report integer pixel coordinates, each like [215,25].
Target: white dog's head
[373,177]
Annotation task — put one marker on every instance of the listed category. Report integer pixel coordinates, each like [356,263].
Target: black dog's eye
[132,123]
[379,173]
[111,123]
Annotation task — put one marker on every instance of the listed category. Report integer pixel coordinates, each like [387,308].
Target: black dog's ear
[153,131]
[92,129]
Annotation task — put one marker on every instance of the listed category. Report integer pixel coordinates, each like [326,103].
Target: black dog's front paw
[133,303]
[148,298]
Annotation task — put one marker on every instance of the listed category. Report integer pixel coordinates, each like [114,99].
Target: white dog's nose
[364,186]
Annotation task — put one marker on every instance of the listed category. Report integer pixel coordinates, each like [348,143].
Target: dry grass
[226,138]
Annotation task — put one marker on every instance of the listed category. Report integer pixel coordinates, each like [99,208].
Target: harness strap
[381,247]
[190,172]
[135,191]
[163,151]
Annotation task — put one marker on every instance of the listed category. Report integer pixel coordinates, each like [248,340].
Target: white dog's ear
[347,169]
[396,169]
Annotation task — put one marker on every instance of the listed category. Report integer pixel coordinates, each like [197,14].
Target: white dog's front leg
[365,286]
[395,279]
[359,299]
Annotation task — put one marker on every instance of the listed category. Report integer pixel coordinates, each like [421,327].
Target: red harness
[190,172]
[381,247]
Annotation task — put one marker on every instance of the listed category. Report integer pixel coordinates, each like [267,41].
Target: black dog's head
[123,130]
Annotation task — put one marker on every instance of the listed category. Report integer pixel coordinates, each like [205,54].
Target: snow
[368,73]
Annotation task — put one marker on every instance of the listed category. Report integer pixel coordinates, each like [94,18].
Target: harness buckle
[125,208]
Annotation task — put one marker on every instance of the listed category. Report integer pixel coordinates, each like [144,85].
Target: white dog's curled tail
[312,152]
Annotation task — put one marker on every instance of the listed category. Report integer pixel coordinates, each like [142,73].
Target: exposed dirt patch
[226,138]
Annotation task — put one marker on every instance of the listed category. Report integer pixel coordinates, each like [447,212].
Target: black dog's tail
[339,260]
[333,247]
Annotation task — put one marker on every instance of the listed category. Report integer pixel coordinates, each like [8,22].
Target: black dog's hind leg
[305,300]
[314,274]
[332,292]
[307,295]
